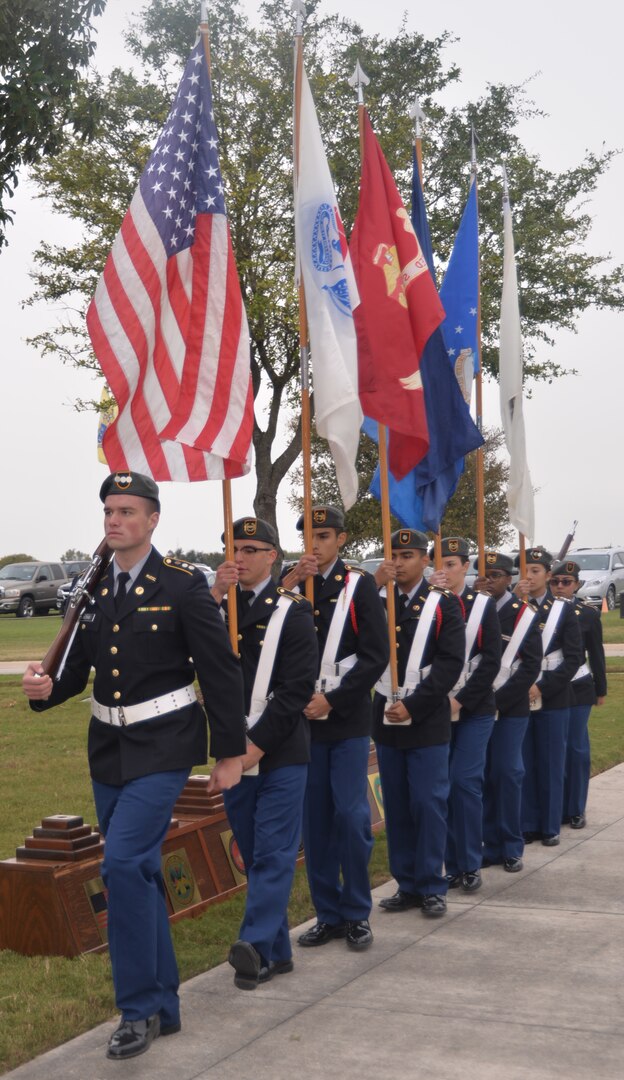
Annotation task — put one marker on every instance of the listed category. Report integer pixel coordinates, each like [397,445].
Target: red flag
[399,310]
[167,321]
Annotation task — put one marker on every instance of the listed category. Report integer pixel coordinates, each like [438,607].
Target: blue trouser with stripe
[415,786]
[578,763]
[469,741]
[337,833]
[502,790]
[134,819]
[544,754]
[265,814]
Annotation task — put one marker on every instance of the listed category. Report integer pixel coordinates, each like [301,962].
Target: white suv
[601,574]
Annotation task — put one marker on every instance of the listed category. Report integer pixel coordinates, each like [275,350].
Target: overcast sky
[50,472]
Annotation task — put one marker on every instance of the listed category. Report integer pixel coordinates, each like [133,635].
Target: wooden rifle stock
[79,599]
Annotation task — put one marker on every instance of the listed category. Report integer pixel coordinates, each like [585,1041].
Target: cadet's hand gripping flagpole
[226,485]
[358,81]
[479,460]
[417,115]
[299,10]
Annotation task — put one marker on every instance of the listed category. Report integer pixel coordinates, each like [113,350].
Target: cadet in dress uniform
[588,687]
[503,843]
[544,748]
[147,730]
[278,651]
[412,735]
[336,819]
[473,709]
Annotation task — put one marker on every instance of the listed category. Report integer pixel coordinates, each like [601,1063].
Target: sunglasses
[563,581]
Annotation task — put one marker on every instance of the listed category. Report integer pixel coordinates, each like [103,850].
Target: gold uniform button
[398,629]
[117,695]
[115,673]
[139,590]
[317,612]
[239,637]
[114,650]
[116,628]
[154,626]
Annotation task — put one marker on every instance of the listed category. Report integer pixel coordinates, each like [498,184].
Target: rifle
[566,543]
[80,597]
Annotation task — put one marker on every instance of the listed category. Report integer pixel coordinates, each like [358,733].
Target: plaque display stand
[52,897]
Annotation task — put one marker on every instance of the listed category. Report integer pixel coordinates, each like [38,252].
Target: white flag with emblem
[324,266]
[520,490]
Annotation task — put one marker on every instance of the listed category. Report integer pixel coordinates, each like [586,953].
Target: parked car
[74,570]
[30,587]
[601,574]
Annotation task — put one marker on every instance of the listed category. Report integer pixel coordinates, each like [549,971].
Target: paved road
[523,979]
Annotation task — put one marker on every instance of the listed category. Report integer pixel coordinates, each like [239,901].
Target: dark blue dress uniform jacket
[512,699]
[477,696]
[555,685]
[282,731]
[584,691]
[144,651]
[428,706]
[365,633]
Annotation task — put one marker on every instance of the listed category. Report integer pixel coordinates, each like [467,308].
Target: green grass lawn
[43,770]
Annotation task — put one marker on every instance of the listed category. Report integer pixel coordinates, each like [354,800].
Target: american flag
[167,321]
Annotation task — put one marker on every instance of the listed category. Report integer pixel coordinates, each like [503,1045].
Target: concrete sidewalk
[523,979]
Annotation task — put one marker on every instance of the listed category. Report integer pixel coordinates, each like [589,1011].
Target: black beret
[251,528]
[569,569]
[130,483]
[409,539]
[455,545]
[495,560]
[537,555]
[325,517]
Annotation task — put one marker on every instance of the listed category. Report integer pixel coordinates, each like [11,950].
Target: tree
[7,559]
[73,555]
[251,72]
[43,49]
[363,520]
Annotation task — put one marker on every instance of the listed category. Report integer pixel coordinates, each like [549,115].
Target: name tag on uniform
[88,616]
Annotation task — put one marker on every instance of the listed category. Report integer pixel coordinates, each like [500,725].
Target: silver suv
[29,587]
[601,574]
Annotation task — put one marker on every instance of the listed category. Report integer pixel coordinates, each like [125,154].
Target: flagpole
[299,10]
[479,460]
[226,484]
[417,115]
[522,564]
[358,81]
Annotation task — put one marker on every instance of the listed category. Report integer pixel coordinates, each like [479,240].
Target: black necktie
[120,595]
[319,581]
[247,596]
[403,600]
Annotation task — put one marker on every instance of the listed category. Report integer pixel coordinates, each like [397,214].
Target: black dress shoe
[276,967]
[578,821]
[170,1029]
[321,933]
[246,963]
[453,881]
[133,1037]
[471,880]
[513,865]
[433,906]
[359,934]
[529,837]
[550,841]
[401,901]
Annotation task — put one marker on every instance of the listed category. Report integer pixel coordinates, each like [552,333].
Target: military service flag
[399,310]
[167,321]
[324,263]
[519,491]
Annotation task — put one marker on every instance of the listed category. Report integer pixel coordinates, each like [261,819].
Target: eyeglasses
[563,581]
[249,550]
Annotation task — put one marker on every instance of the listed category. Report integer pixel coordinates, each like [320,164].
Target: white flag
[519,491]
[324,265]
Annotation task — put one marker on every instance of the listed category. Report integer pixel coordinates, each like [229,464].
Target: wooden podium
[52,897]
